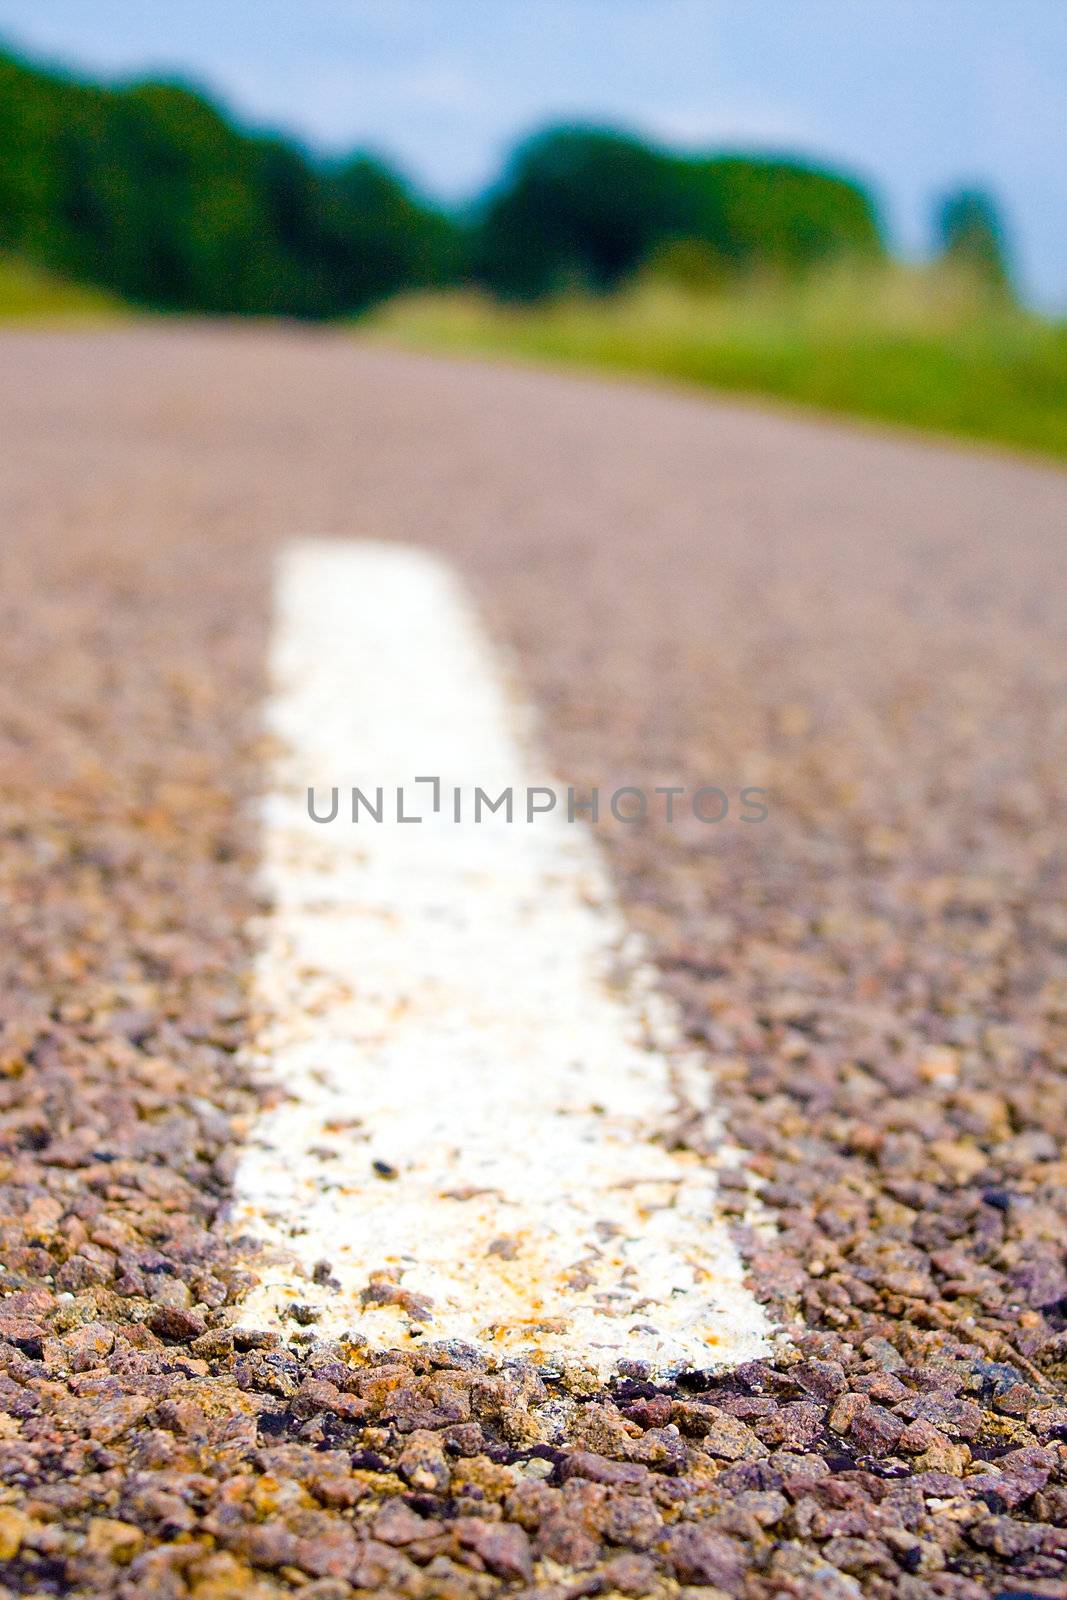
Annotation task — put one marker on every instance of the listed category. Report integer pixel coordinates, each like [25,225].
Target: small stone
[1006,1537]
[176,1324]
[14,1527]
[504,1547]
[875,1430]
[883,1354]
[959,1161]
[83,1348]
[945,1456]
[653,1413]
[884,1387]
[919,1436]
[723,1436]
[269,1544]
[397,1524]
[633,1575]
[791,1427]
[329,1554]
[337,1491]
[22,1332]
[823,1380]
[422,1463]
[845,1411]
[584,1464]
[701,1556]
[305,1314]
[117,1541]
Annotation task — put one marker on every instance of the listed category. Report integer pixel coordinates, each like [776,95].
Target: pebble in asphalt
[874,630]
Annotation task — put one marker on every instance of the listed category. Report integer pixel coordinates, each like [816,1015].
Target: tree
[149,190]
[970,237]
[587,208]
[576,207]
[775,215]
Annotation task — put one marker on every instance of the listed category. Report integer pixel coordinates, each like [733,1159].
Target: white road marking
[459,1004]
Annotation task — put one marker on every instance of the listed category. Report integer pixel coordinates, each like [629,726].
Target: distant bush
[971,237]
[149,190]
[778,216]
[586,208]
[576,208]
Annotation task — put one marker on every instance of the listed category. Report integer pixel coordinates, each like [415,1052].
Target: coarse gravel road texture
[872,628]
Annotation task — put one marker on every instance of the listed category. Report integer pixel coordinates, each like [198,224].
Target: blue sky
[915,95]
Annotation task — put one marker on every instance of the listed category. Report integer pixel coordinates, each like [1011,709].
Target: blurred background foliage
[588,208]
[744,273]
[150,192]
[920,346]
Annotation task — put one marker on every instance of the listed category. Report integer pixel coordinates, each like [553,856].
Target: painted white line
[477,1069]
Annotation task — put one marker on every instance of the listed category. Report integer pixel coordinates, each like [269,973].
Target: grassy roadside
[904,346]
[901,346]
[30,294]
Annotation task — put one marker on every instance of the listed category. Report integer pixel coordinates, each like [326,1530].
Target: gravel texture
[872,629]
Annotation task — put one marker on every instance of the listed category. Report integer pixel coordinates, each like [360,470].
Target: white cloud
[726,121]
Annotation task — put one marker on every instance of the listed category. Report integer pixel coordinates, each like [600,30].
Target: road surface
[873,979]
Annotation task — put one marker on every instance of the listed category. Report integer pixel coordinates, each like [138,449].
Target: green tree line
[587,208]
[150,191]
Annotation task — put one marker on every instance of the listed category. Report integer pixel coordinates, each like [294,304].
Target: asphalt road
[873,630]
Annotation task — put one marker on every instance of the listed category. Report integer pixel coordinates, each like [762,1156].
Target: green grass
[30,294]
[898,346]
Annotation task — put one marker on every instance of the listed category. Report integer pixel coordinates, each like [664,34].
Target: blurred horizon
[912,102]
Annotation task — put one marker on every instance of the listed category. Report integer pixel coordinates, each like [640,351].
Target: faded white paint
[460,1004]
